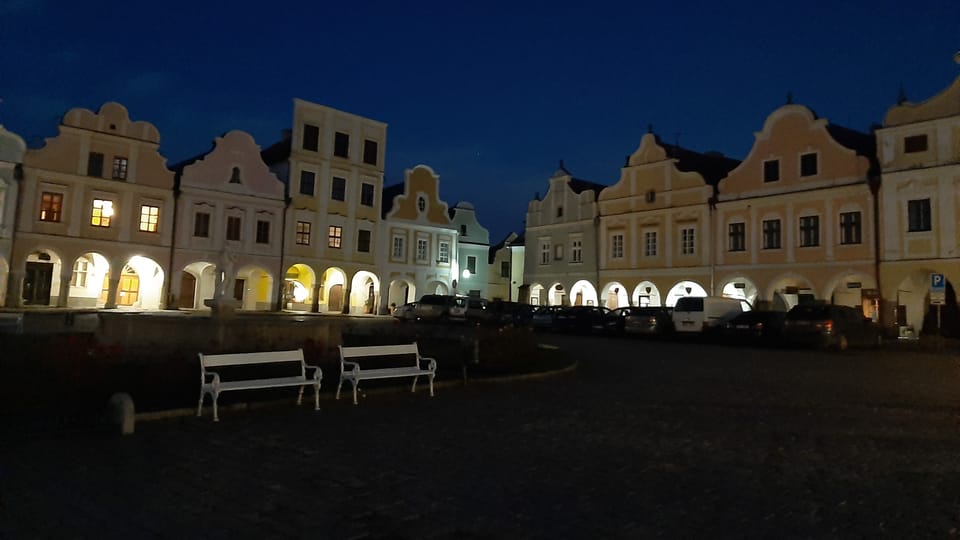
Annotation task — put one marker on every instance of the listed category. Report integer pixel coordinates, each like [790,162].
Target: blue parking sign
[937,283]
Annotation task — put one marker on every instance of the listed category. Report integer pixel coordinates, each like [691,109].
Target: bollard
[120,415]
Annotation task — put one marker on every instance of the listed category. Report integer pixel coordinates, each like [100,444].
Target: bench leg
[200,405]
[354,392]
[300,395]
[316,396]
[413,387]
[431,384]
[216,417]
[338,388]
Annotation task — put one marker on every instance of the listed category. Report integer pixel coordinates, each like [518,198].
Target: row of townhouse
[95,219]
[815,211]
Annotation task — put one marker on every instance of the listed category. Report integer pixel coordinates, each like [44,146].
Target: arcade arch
[682,289]
[614,295]
[583,294]
[646,294]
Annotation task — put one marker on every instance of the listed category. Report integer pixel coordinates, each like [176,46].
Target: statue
[224,277]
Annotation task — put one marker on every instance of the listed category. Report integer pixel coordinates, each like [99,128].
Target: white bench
[351,370]
[210,382]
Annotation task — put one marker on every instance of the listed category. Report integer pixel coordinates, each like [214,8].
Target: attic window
[915,143]
[808,164]
[463,230]
[235,176]
[559,211]
[651,196]
[113,126]
[771,170]
[421,204]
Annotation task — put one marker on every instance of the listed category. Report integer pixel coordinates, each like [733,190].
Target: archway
[556,295]
[583,294]
[90,281]
[141,284]
[646,294]
[331,294]
[364,292]
[536,295]
[682,289]
[197,282]
[298,287]
[741,288]
[41,279]
[857,290]
[614,295]
[916,315]
[789,291]
[401,292]
[253,287]
[437,287]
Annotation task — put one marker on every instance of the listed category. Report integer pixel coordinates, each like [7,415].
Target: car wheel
[842,343]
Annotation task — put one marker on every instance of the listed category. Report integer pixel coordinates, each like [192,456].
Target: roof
[386,202]
[713,166]
[279,151]
[579,186]
[518,241]
[862,143]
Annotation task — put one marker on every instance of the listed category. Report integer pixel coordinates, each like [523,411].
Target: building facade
[506,260]
[473,250]
[12,149]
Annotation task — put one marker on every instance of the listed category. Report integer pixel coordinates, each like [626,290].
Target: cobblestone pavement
[646,439]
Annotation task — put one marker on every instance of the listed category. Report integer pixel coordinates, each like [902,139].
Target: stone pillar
[111,302]
[346,298]
[315,303]
[14,294]
[63,295]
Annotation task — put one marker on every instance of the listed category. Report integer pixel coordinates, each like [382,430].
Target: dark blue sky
[490,95]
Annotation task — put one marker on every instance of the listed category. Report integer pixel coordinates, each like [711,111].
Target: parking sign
[938,289]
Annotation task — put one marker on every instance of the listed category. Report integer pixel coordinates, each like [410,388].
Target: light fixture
[466,274]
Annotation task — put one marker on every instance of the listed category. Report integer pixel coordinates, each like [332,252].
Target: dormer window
[808,164]
[914,143]
[421,204]
[235,175]
[463,230]
[771,170]
[559,211]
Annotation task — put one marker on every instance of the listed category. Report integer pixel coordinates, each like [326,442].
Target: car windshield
[809,313]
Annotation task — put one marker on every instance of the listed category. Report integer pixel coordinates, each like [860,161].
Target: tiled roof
[712,166]
[579,186]
[862,143]
[277,152]
[386,202]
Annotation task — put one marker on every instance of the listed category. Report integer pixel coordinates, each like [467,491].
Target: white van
[705,313]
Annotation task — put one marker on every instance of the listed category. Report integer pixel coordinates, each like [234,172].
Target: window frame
[688,240]
[312,183]
[816,164]
[737,236]
[576,250]
[616,246]
[919,215]
[310,140]
[152,215]
[766,171]
[338,186]
[95,164]
[97,213]
[772,230]
[201,223]
[443,252]
[52,204]
[650,243]
[341,144]
[364,240]
[367,194]
[423,250]
[809,227]
[915,144]
[263,232]
[851,228]
[369,144]
[302,231]
[233,232]
[335,236]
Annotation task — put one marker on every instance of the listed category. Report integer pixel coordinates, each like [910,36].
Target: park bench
[211,382]
[351,371]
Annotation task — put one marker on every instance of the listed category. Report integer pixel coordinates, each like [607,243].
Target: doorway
[36,283]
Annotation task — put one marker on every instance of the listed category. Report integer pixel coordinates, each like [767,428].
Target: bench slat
[387,373]
[214,360]
[250,384]
[378,350]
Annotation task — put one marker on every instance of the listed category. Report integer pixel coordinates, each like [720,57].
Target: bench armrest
[317,372]
[346,365]
[214,378]
[431,363]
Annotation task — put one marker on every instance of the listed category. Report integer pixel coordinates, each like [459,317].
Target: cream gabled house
[919,152]
[795,221]
[12,148]
[421,256]
[230,217]
[96,216]
[560,260]
[655,226]
[332,164]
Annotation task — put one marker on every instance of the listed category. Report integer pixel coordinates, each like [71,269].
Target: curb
[249,406]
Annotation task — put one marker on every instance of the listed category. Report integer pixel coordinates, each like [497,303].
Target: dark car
[544,317]
[649,321]
[478,310]
[505,313]
[755,328]
[581,319]
[613,321]
[830,326]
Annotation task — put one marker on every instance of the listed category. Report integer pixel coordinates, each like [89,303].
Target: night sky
[491,95]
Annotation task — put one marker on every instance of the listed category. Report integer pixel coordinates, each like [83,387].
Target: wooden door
[188,292]
[36,283]
[335,298]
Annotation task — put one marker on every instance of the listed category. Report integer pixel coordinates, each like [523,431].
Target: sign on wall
[938,290]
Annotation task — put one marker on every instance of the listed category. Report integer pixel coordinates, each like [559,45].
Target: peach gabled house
[919,152]
[795,220]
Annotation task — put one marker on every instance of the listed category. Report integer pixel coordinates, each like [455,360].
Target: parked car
[755,328]
[406,312]
[706,314]
[581,319]
[830,326]
[437,307]
[613,321]
[545,318]
[510,313]
[649,321]
[478,310]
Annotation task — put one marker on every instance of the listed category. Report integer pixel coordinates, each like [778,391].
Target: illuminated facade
[12,148]
[473,250]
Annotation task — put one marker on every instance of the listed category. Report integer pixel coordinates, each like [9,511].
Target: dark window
[307,182]
[370,152]
[263,232]
[915,143]
[559,211]
[651,196]
[366,194]
[771,234]
[303,233]
[737,232]
[809,231]
[334,236]
[311,137]
[918,215]
[808,164]
[233,228]
[119,168]
[95,164]
[363,241]
[338,189]
[771,170]
[463,230]
[235,175]
[850,228]
[472,264]
[341,145]
[51,206]
[201,224]
[505,269]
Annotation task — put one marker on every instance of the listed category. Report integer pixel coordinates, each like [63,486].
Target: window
[80,270]
[233,228]
[850,228]
[235,175]
[366,194]
[398,252]
[119,168]
[737,234]
[809,231]
[303,233]
[914,143]
[370,152]
[559,211]
[463,230]
[651,196]
[444,257]
[576,251]
[918,215]
[558,252]
[421,204]
[95,164]
[341,145]
[201,224]
[51,206]
[363,241]
[545,253]
[505,269]
[308,181]
[616,246]
[334,236]
[771,234]
[263,232]
[311,137]
[650,244]
[421,249]
[102,212]
[472,264]
[338,189]
[149,218]
[771,170]
[688,241]
[808,164]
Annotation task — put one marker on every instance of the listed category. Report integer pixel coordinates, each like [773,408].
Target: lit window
[119,168]
[421,249]
[51,206]
[334,236]
[149,218]
[102,212]
[444,257]
[303,233]
[688,245]
[616,246]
